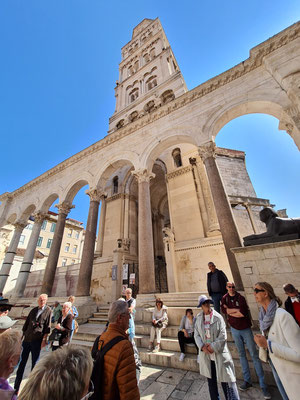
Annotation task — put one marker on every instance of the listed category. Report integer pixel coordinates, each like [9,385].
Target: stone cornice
[253,62]
[178,172]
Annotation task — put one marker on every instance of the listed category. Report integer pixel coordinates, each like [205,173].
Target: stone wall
[275,263]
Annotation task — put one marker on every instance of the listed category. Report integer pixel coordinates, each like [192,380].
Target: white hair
[117,308]
[68,303]
[62,374]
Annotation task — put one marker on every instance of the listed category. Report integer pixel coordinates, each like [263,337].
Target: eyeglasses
[230,287]
[90,392]
[258,290]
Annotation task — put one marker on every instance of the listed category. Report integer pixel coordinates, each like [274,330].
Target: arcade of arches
[171,201]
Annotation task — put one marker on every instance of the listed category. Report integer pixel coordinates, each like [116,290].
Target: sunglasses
[230,287]
[258,290]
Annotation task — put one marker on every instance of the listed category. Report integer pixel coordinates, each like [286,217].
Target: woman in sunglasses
[186,332]
[281,340]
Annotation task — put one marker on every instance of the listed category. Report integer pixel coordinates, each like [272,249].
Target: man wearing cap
[5,307]
[35,332]
[215,361]
[6,323]
[216,284]
[235,307]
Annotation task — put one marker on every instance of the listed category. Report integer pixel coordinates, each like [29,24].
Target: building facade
[171,201]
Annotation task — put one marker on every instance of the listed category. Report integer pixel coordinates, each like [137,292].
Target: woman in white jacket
[281,338]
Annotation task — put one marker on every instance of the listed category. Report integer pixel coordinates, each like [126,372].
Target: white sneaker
[181,357]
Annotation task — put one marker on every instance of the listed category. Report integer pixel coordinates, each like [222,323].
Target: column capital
[95,194]
[207,150]
[19,225]
[65,207]
[143,175]
[39,216]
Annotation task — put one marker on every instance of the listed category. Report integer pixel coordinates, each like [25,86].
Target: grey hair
[61,374]
[116,308]
[68,303]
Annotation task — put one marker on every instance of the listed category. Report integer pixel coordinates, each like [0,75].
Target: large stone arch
[72,189]
[154,149]
[231,111]
[12,218]
[113,165]
[26,212]
[45,204]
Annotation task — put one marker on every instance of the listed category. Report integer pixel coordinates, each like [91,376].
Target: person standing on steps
[216,285]
[235,307]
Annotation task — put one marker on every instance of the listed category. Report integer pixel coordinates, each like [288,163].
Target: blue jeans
[216,298]
[34,348]
[278,381]
[245,337]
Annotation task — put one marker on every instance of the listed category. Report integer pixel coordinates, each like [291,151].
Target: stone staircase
[169,354]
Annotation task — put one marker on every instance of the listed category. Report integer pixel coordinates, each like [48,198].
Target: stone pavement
[158,383]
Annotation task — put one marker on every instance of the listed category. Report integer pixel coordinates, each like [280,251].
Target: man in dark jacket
[35,332]
[292,303]
[216,285]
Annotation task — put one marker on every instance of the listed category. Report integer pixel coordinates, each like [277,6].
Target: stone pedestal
[86,265]
[10,254]
[275,263]
[51,266]
[223,208]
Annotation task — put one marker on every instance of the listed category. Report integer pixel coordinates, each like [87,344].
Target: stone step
[170,359]
[82,343]
[100,315]
[97,320]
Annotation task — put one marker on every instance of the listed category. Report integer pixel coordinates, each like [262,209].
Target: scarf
[266,318]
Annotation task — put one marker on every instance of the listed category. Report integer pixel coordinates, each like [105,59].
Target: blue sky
[59,64]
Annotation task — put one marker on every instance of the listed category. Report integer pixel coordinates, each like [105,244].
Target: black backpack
[98,370]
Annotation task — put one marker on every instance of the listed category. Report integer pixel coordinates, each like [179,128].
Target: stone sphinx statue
[278,229]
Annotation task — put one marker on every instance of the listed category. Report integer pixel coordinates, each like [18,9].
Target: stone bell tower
[149,75]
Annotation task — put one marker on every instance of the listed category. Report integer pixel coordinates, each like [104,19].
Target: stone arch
[12,218]
[73,189]
[46,203]
[226,114]
[27,212]
[108,173]
[153,150]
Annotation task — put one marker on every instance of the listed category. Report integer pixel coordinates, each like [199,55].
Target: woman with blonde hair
[280,339]
[10,351]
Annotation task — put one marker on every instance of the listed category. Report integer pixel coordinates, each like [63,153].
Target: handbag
[76,326]
[159,324]
[55,335]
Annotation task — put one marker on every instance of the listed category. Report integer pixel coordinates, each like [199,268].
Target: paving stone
[193,392]
[171,377]
[193,375]
[151,372]
[157,391]
[184,384]
[177,394]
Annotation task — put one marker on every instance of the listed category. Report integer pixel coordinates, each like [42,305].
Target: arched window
[151,82]
[133,116]
[152,53]
[133,95]
[130,70]
[136,66]
[150,106]
[167,96]
[115,185]
[176,154]
[120,124]
[146,58]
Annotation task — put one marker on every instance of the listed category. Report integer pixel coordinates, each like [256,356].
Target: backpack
[98,369]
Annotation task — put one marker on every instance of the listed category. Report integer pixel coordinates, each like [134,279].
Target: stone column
[63,210]
[145,235]
[10,254]
[249,211]
[99,250]
[228,227]
[86,265]
[29,254]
